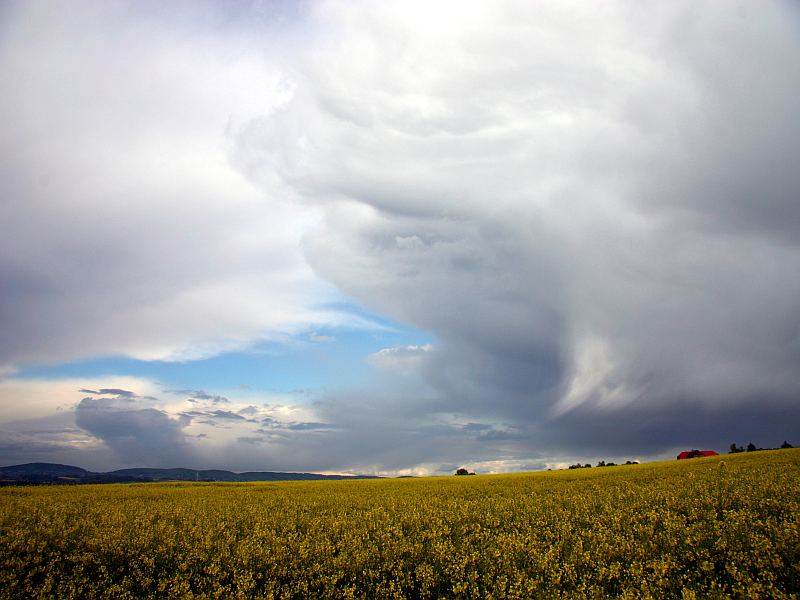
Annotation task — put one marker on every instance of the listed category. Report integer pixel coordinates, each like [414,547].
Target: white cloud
[38,398]
[593,380]
[322,339]
[127,230]
[116,421]
[401,359]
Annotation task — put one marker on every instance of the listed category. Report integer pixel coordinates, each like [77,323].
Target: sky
[397,237]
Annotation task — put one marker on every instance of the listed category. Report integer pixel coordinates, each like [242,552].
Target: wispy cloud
[198,395]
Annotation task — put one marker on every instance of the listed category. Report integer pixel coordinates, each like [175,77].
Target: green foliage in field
[716,527]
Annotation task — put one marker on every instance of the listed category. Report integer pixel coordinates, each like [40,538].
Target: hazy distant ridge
[56,473]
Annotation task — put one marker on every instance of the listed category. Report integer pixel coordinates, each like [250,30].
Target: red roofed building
[696,454]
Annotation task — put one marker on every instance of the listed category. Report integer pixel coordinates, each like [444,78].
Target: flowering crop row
[704,528]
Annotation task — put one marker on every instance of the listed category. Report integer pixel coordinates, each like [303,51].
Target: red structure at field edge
[696,454]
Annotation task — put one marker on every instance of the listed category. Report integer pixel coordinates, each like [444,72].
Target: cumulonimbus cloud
[593,209]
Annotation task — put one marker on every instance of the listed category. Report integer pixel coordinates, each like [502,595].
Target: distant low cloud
[198,395]
[138,436]
[116,393]
[209,416]
[113,391]
[45,439]
[309,426]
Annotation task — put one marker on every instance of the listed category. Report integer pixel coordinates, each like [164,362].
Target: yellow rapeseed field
[704,528]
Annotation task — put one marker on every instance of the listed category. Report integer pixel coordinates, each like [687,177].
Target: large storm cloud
[593,209]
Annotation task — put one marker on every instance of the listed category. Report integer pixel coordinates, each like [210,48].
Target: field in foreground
[712,527]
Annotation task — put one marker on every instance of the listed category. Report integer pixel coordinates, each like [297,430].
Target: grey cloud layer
[594,210]
[366,431]
[142,436]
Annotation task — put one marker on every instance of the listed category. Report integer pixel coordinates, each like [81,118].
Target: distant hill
[37,473]
[218,475]
[43,469]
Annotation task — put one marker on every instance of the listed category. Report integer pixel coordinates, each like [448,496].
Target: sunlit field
[727,526]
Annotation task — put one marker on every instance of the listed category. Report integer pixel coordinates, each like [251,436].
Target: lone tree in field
[462,471]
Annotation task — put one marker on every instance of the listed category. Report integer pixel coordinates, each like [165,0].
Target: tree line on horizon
[751,447]
[734,449]
[602,463]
